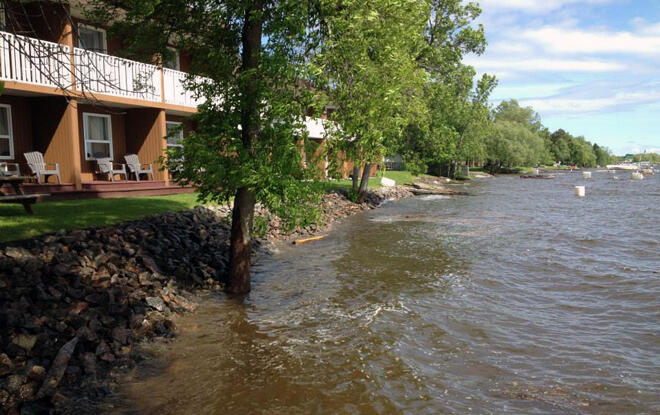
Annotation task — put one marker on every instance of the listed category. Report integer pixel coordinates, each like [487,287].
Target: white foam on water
[434,197]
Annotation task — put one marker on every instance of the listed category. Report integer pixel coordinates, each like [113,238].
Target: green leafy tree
[368,68]
[254,55]
[458,114]
[559,146]
[603,155]
[582,154]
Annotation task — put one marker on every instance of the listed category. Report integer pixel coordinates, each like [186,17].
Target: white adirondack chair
[135,167]
[38,167]
[106,166]
[9,169]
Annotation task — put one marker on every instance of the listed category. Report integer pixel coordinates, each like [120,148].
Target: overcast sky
[591,67]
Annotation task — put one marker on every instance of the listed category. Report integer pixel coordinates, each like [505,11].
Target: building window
[90,38]
[171,61]
[97,129]
[174,134]
[3,18]
[6,134]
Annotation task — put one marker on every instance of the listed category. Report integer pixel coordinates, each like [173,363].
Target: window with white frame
[97,129]
[174,134]
[6,134]
[91,38]
[171,60]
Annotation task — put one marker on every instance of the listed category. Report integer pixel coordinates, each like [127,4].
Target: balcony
[45,64]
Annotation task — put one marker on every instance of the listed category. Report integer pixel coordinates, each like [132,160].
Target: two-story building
[66,96]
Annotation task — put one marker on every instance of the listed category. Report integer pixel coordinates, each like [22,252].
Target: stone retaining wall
[75,304]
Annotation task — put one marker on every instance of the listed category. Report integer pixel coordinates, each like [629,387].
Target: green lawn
[50,217]
[401,177]
[16,224]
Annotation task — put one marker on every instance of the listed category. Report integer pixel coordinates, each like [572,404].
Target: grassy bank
[401,177]
[50,217]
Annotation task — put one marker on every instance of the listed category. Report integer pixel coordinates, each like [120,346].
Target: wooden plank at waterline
[310,239]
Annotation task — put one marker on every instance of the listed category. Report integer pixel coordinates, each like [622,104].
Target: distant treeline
[653,158]
[520,139]
[504,139]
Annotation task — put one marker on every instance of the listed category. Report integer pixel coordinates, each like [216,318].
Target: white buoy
[586,175]
[637,176]
[387,182]
[580,191]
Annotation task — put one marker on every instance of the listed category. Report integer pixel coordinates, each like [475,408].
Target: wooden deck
[101,189]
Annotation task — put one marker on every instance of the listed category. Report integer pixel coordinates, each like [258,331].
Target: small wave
[434,197]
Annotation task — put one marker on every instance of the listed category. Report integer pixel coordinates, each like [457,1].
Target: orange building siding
[146,137]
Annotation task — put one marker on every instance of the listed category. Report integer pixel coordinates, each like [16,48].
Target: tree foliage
[253,56]
[367,67]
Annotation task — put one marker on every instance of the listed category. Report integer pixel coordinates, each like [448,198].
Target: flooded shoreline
[522,299]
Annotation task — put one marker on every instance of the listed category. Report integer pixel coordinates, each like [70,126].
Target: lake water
[520,298]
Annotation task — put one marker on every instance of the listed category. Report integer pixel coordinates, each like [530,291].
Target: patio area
[102,189]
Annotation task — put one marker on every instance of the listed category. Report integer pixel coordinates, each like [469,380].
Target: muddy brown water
[521,299]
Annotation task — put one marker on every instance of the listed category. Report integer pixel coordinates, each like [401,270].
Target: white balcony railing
[105,74]
[33,61]
[175,93]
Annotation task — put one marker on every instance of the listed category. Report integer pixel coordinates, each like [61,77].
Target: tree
[582,154]
[369,71]
[458,113]
[513,112]
[559,146]
[253,55]
[603,155]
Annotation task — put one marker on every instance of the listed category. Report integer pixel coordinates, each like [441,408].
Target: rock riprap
[76,305]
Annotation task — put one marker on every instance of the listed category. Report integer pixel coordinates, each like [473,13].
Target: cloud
[597,97]
[577,41]
[643,26]
[533,6]
[523,64]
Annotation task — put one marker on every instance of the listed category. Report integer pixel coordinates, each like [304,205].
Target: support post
[146,137]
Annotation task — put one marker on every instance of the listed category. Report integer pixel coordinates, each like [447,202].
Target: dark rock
[57,369]
[60,270]
[102,348]
[14,382]
[18,253]
[37,373]
[89,363]
[26,392]
[156,303]
[120,335]
[4,398]
[24,341]
[33,408]
[58,400]
[79,307]
[6,365]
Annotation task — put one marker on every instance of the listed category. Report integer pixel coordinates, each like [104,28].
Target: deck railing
[38,62]
[175,93]
[105,74]
[34,61]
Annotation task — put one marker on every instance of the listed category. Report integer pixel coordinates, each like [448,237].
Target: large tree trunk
[355,177]
[364,183]
[238,280]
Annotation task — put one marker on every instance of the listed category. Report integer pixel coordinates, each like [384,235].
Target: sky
[591,67]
